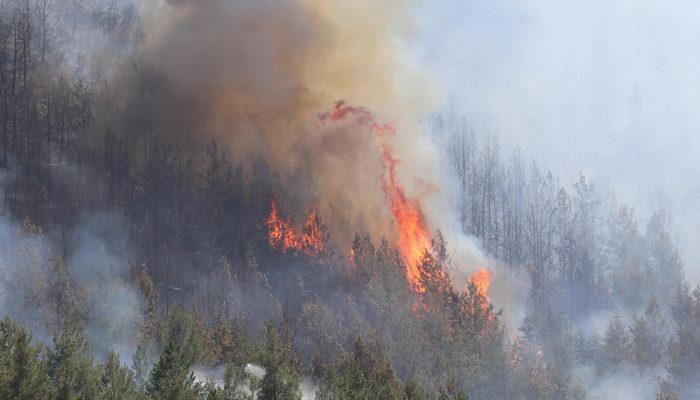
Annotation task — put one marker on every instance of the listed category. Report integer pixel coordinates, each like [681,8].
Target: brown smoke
[255,74]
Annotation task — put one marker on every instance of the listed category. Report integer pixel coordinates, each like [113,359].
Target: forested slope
[137,256]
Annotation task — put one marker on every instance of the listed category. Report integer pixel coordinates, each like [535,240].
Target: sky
[609,88]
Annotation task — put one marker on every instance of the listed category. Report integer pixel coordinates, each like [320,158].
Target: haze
[607,88]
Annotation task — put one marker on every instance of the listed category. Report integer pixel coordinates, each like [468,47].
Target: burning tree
[283,238]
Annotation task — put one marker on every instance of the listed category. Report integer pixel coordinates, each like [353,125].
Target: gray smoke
[39,287]
[603,87]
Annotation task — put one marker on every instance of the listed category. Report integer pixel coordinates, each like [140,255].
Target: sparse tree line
[587,258]
[209,285]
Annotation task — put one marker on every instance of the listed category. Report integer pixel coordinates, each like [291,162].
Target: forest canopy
[144,255]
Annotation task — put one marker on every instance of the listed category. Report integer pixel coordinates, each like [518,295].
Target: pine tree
[71,370]
[139,364]
[171,378]
[364,374]
[662,256]
[615,343]
[641,344]
[22,371]
[234,379]
[282,377]
[684,348]
[184,334]
[118,381]
[649,337]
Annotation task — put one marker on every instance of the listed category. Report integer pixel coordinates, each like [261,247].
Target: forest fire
[413,238]
[363,117]
[481,280]
[283,238]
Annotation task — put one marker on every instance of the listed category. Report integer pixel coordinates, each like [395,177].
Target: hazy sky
[607,87]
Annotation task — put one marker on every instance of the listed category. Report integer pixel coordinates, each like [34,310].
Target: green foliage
[182,333]
[282,374]
[231,342]
[413,391]
[118,381]
[196,223]
[235,380]
[171,378]
[30,372]
[139,364]
[364,374]
[22,369]
[70,369]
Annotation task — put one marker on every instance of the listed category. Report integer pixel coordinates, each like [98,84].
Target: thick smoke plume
[256,76]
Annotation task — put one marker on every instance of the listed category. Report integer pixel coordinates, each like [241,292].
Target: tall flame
[280,234]
[282,237]
[413,238]
[312,238]
[481,280]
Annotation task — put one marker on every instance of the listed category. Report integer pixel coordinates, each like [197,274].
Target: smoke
[42,289]
[100,264]
[214,375]
[618,385]
[606,88]
[217,377]
[22,257]
[308,387]
[257,75]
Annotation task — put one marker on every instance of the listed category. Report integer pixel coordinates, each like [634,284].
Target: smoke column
[255,76]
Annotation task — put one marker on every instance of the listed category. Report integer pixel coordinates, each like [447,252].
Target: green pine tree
[139,364]
[22,370]
[71,370]
[363,374]
[282,376]
[171,378]
[118,381]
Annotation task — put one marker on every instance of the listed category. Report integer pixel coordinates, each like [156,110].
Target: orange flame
[312,236]
[413,238]
[363,117]
[280,234]
[481,280]
[282,237]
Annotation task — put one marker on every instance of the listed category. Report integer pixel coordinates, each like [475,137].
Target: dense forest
[141,263]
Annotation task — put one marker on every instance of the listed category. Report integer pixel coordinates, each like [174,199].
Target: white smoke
[606,87]
[216,376]
[30,287]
